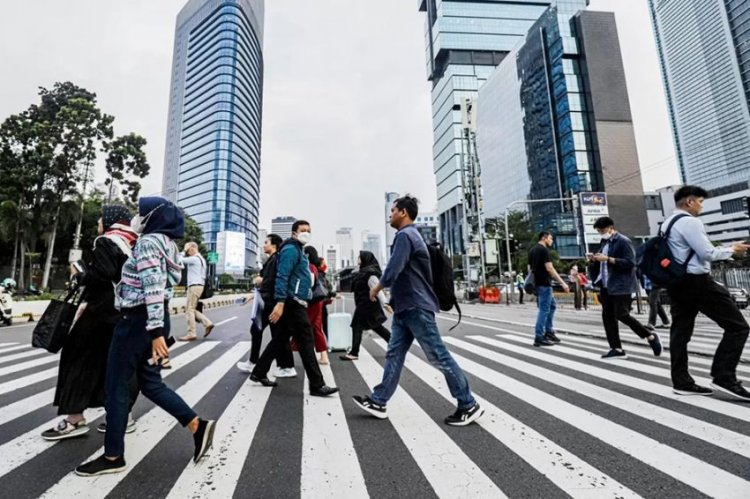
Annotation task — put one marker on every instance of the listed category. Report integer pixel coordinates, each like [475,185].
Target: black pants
[293,323]
[617,308]
[654,308]
[700,293]
[325,321]
[520,296]
[357,337]
[284,359]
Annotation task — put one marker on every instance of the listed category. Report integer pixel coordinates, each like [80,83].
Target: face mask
[606,236]
[138,223]
[304,238]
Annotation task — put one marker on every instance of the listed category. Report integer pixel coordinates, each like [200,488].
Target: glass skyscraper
[704,51]
[212,159]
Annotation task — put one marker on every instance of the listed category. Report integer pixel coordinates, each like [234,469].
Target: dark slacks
[381,330]
[284,359]
[616,308]
[655,307]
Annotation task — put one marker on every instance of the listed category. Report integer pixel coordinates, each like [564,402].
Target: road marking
[22,355]
[8,344]
[28,365]
[13,349]
[450,472]
[329,463]
[25,381]
[225,321]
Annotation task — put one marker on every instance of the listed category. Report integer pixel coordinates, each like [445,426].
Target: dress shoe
[263,381]
[324,391]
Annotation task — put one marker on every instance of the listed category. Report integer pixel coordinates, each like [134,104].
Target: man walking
[540,262]
[614,272]
[288,318]
[654,304]
[196,280]
[409,276]
[698,292]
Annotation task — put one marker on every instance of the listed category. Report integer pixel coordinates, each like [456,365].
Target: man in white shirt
[698,292]
[196,280]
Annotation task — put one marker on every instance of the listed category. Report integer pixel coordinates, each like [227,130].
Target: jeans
[655,307]
[420,324]
[617,308]
[546,314]
[700,293]
[128,355]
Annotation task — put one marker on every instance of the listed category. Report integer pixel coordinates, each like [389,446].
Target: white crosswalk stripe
[21,355]
[10,348]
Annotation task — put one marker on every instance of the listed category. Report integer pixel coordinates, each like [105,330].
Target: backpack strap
[665,235]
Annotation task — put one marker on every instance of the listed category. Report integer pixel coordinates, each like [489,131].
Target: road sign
[212,257]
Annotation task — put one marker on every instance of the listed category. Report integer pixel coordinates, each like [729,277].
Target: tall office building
[282,226]
[465,40]
[390,232]
[212,158]
[704,51]
[345,241]
[332,255]
[374,245]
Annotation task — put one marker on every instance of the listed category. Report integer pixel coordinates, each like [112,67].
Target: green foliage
[126,160]
[194,233]
[226,279]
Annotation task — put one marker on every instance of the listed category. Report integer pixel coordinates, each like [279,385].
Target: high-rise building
[345,242]
[373,244]
[282,226]
[704,51]
[212,158]
[390,232]
[332,257]
[428,224]
[465,41]
[262,235]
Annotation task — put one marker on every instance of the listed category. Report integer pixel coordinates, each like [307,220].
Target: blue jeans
[546,313]
[128,355]
[420,324]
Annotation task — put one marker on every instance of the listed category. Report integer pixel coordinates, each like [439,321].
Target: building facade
[374,244]
[282,226]
[332,255]
[345,242]
[428,224]
[212,158]
[704,52]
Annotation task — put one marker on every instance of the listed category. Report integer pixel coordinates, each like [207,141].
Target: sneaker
[693,390]
[287,372]
[367,405]
[551,336]
[615,354]
[66,429]
[464,417]
[544,342]
[734,388]
[655,345]
[203,438]
[245,367]
[130,428]
[101,466]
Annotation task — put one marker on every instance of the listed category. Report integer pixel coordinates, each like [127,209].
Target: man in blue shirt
[414,303]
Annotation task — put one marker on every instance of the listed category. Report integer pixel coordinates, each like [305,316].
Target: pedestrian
[654,303]
[613,271]
[409,276]
[576,283]
[316,304]
[262,309]
[288,317]
[83,360]
[698,292]
[139,344]
[584,283]
[520,280]
[540,262]
[196,281]
[331,294]
[368,315]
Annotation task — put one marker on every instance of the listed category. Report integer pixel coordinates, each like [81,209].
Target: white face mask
[138,223]
[606,236]
[304,238]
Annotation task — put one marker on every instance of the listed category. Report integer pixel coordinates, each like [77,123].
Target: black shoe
[650,327]
[692,390]
[465,417]
[367,405]
[655,345]
[615,354]
[664,326]
[263,381]
[544,342]
[734,388]
[101,466]
[203,438]
[551,336]
[324,391]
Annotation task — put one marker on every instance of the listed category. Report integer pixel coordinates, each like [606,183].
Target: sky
[346,112]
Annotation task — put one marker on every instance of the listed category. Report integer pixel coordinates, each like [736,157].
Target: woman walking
[315,306]
[368,315]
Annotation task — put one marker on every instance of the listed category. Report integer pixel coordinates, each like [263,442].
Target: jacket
[293,278]
[268,274]
[101,275]
[621,274]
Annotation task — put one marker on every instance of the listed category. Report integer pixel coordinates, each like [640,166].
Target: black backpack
[442,280]
[655,259]
[208,288]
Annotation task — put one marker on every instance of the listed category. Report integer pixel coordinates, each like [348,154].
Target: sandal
[348,357]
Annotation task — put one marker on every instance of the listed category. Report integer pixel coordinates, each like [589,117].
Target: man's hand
[276,314]
[257,281]
[374,292]
[159,349]
[740,249]
[601,258]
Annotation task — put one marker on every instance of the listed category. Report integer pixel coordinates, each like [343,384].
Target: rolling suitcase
[339,329]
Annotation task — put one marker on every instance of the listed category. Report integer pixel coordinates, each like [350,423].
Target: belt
[191,285]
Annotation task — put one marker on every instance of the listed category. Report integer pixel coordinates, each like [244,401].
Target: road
[560,422]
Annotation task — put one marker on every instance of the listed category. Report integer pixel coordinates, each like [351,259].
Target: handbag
[52,329]
[530,284]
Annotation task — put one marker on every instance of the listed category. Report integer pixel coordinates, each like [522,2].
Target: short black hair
[298,224]
[275,240]
[543,235]
[408,203]
[312,255]
[689,190]
[603,223]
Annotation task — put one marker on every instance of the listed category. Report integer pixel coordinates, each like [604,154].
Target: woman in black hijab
[368,315]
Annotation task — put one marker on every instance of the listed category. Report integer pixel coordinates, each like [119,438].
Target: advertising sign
[593,206]
[231,249]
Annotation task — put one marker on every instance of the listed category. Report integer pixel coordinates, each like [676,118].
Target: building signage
[593,206]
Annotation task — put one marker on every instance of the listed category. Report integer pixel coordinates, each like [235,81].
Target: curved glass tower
[212,158]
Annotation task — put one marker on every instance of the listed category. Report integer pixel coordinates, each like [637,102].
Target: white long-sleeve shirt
[196,269]
[689,233]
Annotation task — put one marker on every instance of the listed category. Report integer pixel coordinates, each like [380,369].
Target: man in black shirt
[540,263]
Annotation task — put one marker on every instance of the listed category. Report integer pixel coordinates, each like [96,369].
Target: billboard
[593,206]
[231,249]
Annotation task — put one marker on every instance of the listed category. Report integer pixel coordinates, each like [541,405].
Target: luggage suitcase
[339,329]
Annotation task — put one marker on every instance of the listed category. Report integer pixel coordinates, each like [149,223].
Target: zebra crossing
[559,422]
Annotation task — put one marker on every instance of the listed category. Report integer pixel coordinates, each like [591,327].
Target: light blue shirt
[196,269]
[689,233]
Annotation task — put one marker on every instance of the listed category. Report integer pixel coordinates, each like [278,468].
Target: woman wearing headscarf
[83,361]
[139,343]
[368,315]
[315,306]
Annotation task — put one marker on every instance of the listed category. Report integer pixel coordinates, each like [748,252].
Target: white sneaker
[289,372]
[245,367]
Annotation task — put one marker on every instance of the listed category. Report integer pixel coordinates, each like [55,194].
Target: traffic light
[515,245]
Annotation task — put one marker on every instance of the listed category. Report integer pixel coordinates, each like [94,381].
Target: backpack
[208,289]
[442,280]
[529,285]
[269,281]
[656,261]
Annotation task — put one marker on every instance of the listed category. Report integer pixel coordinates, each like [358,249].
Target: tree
[520,229]
[126,160]
[194,233]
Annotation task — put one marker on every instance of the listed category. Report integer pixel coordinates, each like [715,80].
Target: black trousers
[285,359]
[293,323]
[655,307]
[382,331]
[616,308]
[700,293]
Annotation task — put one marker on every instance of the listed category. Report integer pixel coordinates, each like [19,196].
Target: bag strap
[665,235]
[455,304]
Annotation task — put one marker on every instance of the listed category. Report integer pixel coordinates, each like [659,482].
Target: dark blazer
[621,279]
